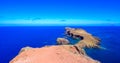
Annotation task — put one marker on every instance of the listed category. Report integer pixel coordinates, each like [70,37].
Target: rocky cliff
[52,54]
[86,39]
[64,52]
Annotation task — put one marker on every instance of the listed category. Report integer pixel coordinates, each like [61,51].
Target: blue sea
[12,39]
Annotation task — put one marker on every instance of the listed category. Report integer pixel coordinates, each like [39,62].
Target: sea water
[12,39]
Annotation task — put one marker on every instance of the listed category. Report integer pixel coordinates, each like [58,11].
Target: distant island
[64,51]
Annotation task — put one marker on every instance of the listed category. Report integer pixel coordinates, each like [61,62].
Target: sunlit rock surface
[52,54]
[64,52]
[62,41]
[87,40]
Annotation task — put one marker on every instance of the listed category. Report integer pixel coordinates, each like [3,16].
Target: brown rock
[52,54]
[63,53]
[87,40]
[25,49]
[62,41]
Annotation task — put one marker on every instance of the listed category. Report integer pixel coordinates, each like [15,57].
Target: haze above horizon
[59,12]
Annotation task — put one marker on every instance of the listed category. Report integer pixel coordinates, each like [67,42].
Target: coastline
[77,51]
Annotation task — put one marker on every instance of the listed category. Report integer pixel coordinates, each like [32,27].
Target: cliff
[52,54]
[86,39]
[63,52]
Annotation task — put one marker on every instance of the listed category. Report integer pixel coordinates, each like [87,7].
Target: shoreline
[31,55]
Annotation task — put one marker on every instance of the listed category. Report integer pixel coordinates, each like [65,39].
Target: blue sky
[59,12]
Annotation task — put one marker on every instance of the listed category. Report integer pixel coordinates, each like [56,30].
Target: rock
[62,41]
[52,54]
[25,49]
[63,52]
[87,40]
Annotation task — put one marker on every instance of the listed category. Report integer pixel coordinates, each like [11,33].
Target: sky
[59,12]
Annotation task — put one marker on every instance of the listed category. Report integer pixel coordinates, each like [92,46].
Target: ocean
[12,39]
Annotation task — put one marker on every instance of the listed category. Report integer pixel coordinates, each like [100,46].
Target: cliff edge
[52,54]
[63,52]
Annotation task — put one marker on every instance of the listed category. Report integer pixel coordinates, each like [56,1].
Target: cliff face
[87,40]
[52,54]
[63,52]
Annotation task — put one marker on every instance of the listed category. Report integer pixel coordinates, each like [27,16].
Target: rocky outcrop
[25,49]
[64,52]
[62,41]
[86,39]
[52,54]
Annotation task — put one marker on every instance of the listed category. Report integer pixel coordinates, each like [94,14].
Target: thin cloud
[63,20]
[34,19]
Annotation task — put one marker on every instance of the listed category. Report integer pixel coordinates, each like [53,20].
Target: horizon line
[58,22]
